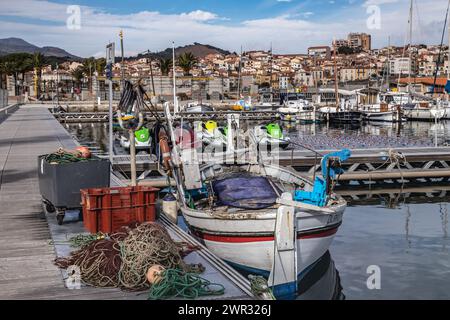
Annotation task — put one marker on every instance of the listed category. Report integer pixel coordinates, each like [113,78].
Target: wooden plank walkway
[26,255]
[26,268]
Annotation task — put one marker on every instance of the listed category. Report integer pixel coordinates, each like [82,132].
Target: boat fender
[165,152]
[170,207]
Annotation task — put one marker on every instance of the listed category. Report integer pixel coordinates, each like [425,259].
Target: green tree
[100,65]
[88,68]
[78,74]
[2,71]
[16,64]
[38,63]
[187,61]
[165,65]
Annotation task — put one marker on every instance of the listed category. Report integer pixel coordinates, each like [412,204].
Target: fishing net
[145,246]
[123,258]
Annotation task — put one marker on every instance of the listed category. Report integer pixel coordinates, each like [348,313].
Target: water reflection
[322,282]
[404,231]
[407,238]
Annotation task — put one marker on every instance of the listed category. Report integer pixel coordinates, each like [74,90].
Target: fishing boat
[341,115]
[141,137]
[382,112]
[257,216]
[237,219]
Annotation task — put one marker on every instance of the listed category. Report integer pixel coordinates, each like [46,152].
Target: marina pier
[30,239]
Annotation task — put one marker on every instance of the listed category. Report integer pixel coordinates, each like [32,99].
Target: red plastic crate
[108,209]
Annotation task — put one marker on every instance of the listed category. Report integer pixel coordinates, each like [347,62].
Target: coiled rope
[175,283]
[147,245]
[122,259]
[63,156]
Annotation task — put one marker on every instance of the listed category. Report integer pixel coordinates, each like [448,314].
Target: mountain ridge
[16,45]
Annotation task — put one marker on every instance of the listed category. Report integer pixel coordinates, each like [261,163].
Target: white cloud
[155,31]
[200,15]
[378,2]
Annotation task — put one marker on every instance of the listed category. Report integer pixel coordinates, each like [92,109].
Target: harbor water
[399,236]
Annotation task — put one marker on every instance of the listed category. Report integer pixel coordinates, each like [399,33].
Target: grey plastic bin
[60,184]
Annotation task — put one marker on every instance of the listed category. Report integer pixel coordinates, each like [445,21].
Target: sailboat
[343,111]
[257,216]
[417,107]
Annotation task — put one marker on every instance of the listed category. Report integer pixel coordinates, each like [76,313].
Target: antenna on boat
[175,101]
[239,76]
[410,49]
[336,88]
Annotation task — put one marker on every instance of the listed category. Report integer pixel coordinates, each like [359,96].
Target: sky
[84,27]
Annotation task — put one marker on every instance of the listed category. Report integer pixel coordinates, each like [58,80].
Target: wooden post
[132,157]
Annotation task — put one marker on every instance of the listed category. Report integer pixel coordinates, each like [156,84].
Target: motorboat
[423,111]
[195,107]
[382,112]
[295,107]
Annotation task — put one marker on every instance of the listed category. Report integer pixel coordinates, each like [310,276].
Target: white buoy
[170,207]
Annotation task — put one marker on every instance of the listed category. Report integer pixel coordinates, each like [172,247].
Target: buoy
[84,151]
[170,207]
[154,273]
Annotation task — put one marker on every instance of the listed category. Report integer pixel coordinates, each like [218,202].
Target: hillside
[15,45]
[199,50]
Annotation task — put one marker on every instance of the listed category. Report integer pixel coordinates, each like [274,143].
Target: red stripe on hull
[240,239]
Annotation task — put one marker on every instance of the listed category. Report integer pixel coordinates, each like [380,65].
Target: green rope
[259,286]
[81,240]
[63,157]
[175,283]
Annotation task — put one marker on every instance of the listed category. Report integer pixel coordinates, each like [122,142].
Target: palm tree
[165,65]
[15,64]
[100,65]
[38,63]
[78,74]
[187,61]
[88,68]
[2,71]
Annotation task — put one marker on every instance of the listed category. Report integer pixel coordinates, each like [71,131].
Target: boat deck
[26,253]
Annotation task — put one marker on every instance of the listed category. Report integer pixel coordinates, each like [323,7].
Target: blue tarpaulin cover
[245,191]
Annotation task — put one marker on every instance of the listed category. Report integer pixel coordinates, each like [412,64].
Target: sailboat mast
[336,91]
[239,75]
[410,43]
[388,71]
[174,77]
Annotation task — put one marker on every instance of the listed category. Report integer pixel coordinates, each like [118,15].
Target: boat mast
[336,91]
[175,104]
[440,51]
[239,75]
[270,72]
[410,49]
[388,71]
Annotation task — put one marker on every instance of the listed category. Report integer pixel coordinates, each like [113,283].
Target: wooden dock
[26,252]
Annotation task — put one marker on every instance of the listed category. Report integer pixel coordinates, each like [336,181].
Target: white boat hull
[253,249]
[424,114]
[388,116]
